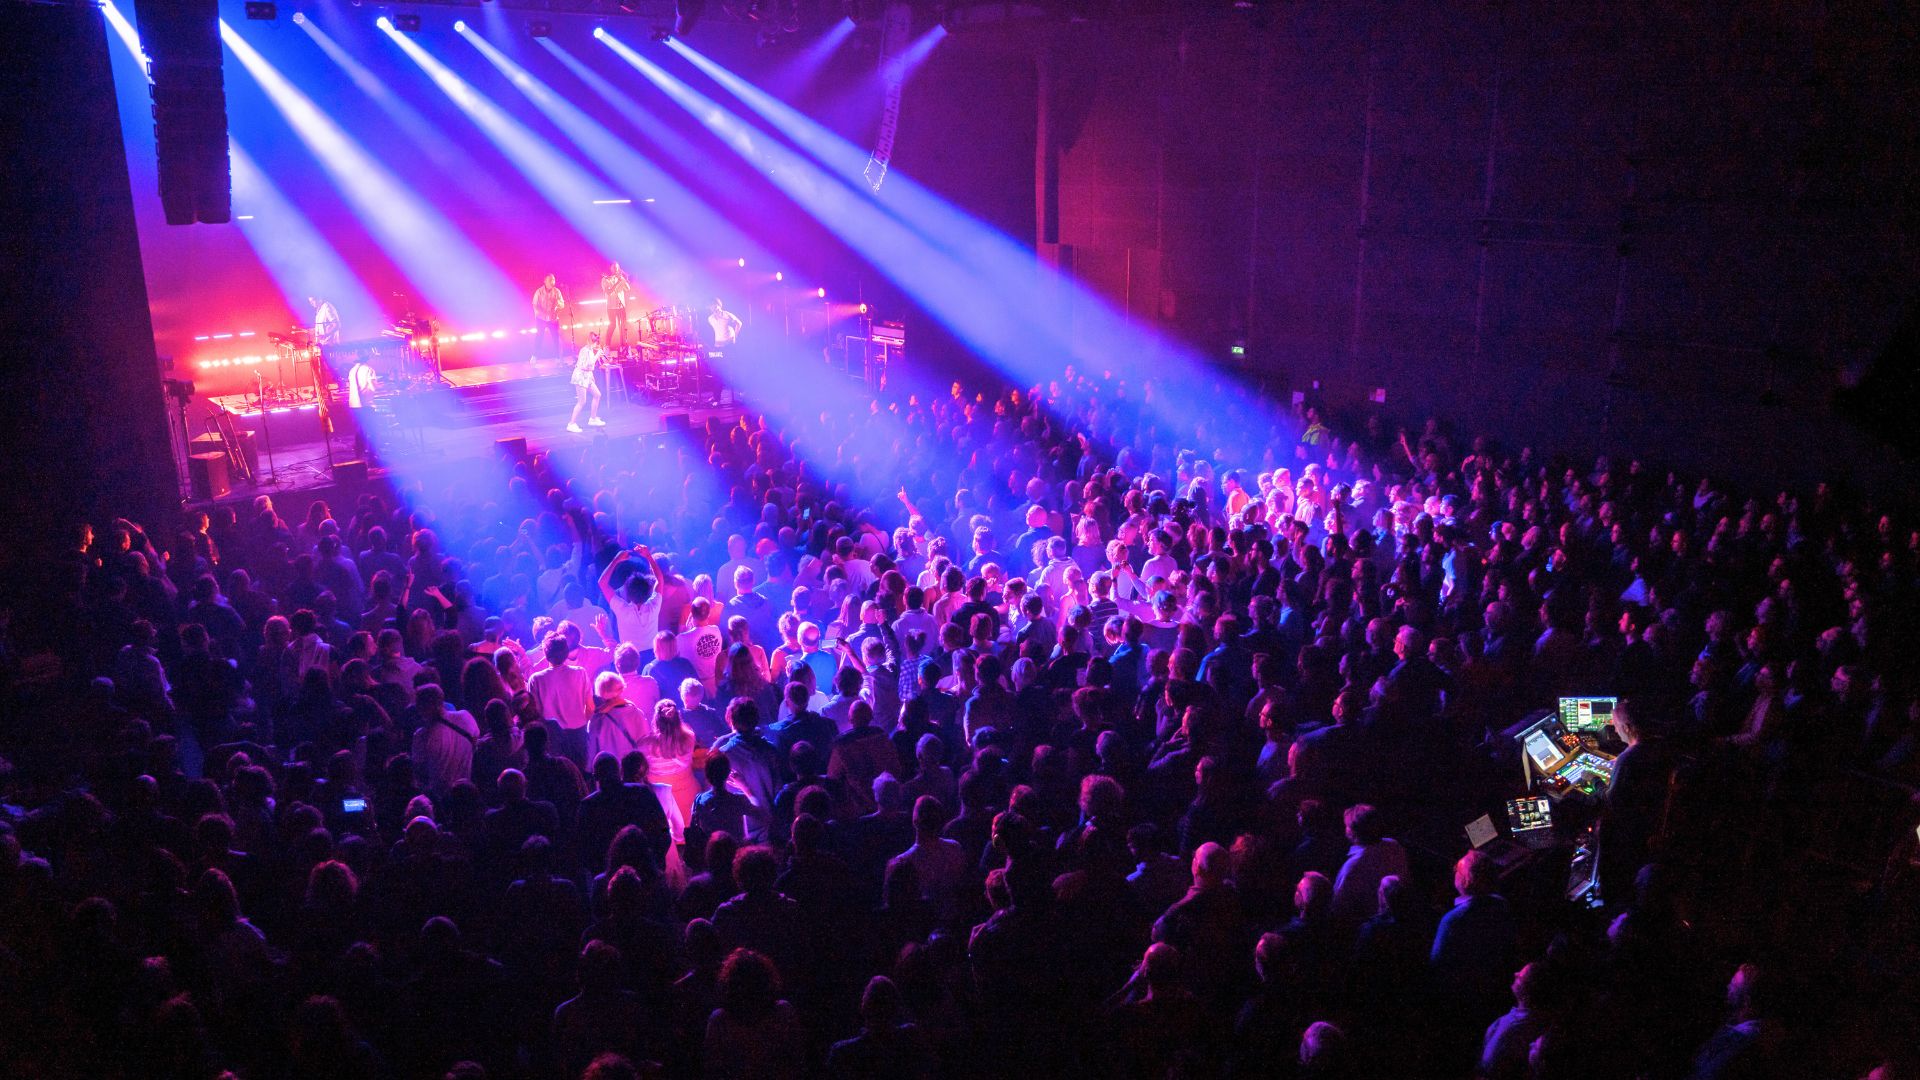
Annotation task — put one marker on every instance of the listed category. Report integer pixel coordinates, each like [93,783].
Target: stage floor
[457,424]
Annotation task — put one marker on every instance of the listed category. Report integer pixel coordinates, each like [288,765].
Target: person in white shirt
[1052,578]
[564,695]
[703,642]
[586,388]
[1160,561]
[443,743]
[360,386]
[915,619]
[573,606]
[724,324]
[593,659]
[326,321]
[636,604]
[852,559]
[737,557]
[642,690]
[1127,586]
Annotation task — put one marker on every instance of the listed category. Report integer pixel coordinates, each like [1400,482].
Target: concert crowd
[1018,735]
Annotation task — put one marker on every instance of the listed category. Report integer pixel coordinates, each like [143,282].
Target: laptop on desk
[1530,823]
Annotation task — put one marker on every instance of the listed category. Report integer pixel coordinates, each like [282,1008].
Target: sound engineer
[1634,802]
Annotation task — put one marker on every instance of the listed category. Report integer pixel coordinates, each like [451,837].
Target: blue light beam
[976,311]
[430,137]
[301,263]
[1077,324]
[692,221]
[805,64]
[449,270]
[616,232]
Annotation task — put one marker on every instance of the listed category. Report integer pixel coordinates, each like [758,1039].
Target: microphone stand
[272,479]
[573,319]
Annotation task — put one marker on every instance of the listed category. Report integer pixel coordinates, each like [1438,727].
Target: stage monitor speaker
[677,421]
[350,472]
[207,476]
[513,447]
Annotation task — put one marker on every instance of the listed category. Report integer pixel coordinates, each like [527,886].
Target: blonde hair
[609,684]
[675,737]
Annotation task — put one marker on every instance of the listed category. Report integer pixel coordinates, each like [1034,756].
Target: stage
[460,421]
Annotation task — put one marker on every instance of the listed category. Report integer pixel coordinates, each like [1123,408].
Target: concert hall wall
[1670,225]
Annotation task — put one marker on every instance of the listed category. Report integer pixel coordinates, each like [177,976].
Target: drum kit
[295,356]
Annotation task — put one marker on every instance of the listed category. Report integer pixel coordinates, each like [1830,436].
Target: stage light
[459,26]
[600,32]
[743,264]
[540,28]
[262,10]
[383,23]
[778,276]
[863,309]
[820,292]
[299,18]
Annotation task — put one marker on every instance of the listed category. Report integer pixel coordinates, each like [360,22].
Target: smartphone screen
[353,806]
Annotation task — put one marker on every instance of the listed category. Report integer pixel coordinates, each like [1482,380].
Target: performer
[618,290]
[585,388]
[725,324]
[547,305]
[360,386]
[326,322]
